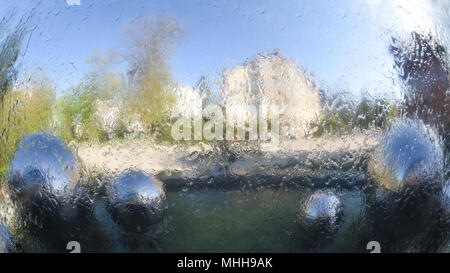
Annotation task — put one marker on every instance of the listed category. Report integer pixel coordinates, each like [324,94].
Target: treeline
[143,95]
[340,116]
[108,104]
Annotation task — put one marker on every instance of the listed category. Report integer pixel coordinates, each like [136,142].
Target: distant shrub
[342,117]
[75,115]
[375,113]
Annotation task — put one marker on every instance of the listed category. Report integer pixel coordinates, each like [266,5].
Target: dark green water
[246,217]
[261,219]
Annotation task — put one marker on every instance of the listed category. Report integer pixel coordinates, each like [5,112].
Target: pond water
[258,219]
[239,218]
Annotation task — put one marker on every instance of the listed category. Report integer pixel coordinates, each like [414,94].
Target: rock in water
[324,206]
[320,219]
[138,201]
[43,166]
[43,173]
[410,153]
[405,181]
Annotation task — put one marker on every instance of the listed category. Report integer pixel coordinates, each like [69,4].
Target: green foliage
[374,113]
[335,118]
[24,111]
[146,97]
[151,101]
[340,117]
[151,94]
[75,113]
[334,123]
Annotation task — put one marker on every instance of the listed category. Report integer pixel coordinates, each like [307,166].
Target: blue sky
[344,43]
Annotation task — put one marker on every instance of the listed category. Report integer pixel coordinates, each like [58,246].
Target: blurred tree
[109,83]
[27,109]
[340,116]
[205,92]
[10,122]
[76,112]
[422,64]
[336,116]
[374,113]
[9,51]
[151,94]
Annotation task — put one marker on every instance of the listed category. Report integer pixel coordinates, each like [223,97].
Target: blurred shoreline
[200,162]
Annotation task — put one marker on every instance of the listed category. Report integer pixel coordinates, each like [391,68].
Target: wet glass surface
[222,126]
